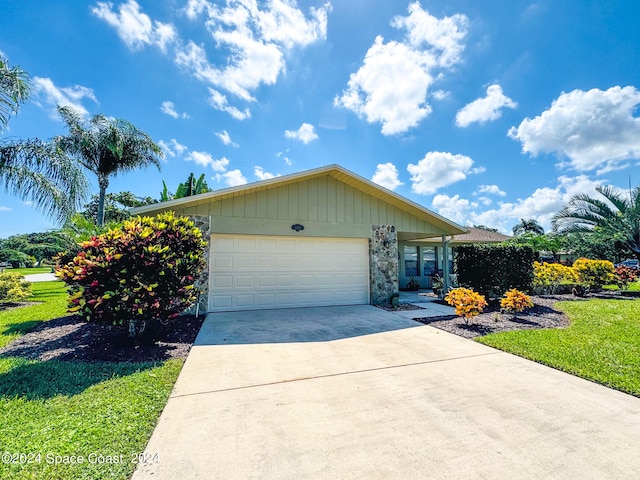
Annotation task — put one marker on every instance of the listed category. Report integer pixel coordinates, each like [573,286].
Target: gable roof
[335,171]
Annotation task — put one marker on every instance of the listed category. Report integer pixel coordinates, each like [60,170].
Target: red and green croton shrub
[139,273]
[625,275]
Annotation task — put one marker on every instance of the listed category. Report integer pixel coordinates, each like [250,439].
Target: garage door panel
[245,262]
[286,280]
[266,300]
[246,245]
[305,281]
[253,272]
[223,263]
[266,281]
[222,281]
[225,245]
[245,281]
[286,262]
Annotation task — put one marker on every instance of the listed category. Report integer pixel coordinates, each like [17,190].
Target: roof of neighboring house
[474,235]
[480,235]
[337,172]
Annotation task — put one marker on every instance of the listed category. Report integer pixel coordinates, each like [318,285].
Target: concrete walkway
[427,303]
[40,277]
[361,393]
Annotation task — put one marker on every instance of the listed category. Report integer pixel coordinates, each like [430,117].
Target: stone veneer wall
[203,222]
[383,261]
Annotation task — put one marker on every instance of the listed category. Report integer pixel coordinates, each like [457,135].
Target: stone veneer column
[383,263]
[203,223]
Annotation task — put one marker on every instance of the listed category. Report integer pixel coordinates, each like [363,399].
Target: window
[429,266]
[411,261]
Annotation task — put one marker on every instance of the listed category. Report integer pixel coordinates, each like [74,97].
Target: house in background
[320,237]
[421,259]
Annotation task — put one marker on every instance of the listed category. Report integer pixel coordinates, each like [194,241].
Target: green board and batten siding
[324,205]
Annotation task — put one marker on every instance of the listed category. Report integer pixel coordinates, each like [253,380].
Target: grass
[16,321]
[601,344]
[52,410]
[632,287]
[29,271]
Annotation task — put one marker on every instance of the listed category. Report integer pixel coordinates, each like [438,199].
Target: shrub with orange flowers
[467,303]
[515,301]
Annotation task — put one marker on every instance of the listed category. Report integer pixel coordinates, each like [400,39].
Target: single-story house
[422,259]
[320,237]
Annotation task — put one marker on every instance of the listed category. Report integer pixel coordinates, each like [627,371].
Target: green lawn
[29,271]
[53,410]
[601,344]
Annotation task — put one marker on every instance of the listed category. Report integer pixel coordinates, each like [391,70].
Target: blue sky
[486,112]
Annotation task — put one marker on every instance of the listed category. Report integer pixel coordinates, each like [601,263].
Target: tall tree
[116,206]
[528,226]
[15,86]
[617,215]
[106,147]
[34,170]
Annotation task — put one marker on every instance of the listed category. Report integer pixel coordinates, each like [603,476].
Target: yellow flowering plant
[594,273]
[514,301]
[548,276]
[467,303]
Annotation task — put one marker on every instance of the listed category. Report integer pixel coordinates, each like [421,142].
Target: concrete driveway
[360,393]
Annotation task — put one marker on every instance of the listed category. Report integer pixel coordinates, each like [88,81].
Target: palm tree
[528,226]
[15,86]
[36,171]
[106,147]
[616,215]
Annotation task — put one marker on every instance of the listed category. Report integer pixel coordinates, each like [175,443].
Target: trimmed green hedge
[493,269]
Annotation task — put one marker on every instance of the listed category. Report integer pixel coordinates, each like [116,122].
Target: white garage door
[250,272]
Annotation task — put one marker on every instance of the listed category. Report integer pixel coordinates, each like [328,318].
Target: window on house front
[429,265]
[411,261]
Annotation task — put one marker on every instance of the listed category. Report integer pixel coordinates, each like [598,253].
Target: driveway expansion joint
[329,375]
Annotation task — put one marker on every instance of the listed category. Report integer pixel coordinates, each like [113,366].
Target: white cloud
[63,96]
[444,36]
[256,41]
[286,159]
[134,27]
[172,148]
[441,95]
[170,109]
[594,130]
[453,208]
[485,109]
[306,133]
[387,176]
[225,138]
[391,85]
[439,169]
[491,189]
[219,101]
[262,175]
[541,205]
[234,178]
[205,159]
[4,209]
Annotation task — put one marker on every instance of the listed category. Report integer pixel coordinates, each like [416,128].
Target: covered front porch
[421,263]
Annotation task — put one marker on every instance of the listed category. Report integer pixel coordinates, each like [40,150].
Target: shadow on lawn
[43,380]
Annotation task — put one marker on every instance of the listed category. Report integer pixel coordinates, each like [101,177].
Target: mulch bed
[71,338]
[542,315]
